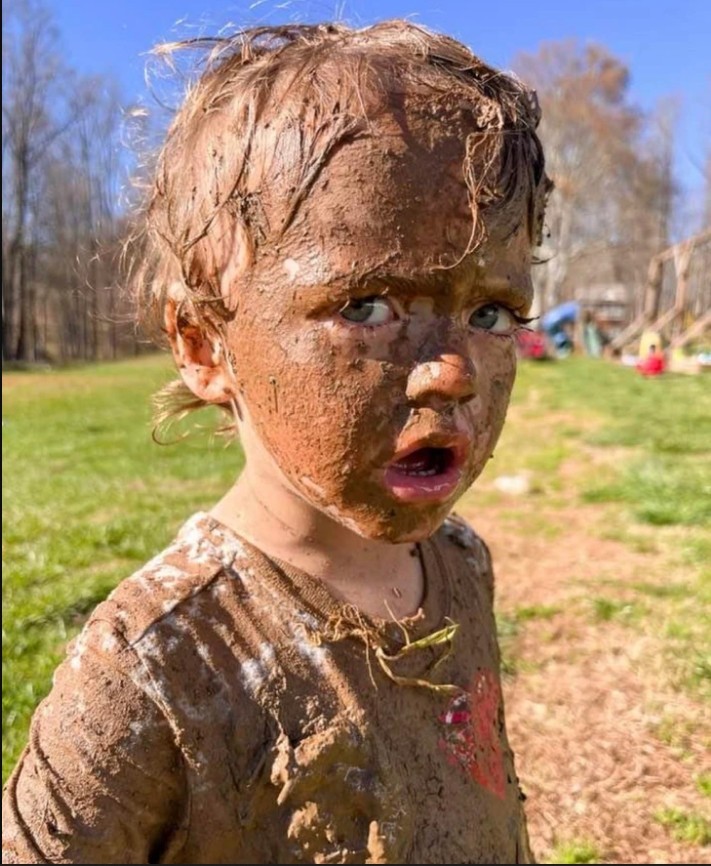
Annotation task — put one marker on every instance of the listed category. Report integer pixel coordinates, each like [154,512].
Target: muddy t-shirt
[222,707]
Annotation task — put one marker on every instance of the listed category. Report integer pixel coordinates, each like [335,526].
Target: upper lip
[459,443]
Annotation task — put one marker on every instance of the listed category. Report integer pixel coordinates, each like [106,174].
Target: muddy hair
[274,102]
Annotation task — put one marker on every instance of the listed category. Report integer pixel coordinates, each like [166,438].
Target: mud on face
[269,108]
[359,241]
[377,377]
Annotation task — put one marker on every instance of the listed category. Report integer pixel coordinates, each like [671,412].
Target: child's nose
[449,379]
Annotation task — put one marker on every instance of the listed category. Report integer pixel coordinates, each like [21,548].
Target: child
[653,364]
[339,247]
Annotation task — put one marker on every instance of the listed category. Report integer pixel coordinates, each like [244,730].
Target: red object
[652,365]
[531,344]
[471,728]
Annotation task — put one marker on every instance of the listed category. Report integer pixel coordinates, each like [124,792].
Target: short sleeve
[475,551]
[101,780]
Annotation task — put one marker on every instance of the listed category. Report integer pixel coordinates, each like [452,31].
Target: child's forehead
[392,202]
[364,262]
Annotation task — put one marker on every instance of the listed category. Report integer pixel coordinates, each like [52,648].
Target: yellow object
[647,340]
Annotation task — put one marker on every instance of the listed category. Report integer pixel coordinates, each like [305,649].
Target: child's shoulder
[466,553]
[201,552]
[456,533]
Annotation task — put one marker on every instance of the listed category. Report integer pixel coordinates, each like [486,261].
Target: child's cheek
[495,361]
[330,409]
[320,408]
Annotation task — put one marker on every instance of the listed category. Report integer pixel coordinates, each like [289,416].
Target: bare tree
[61,177]
[614,195]
[32,76]
[83,177]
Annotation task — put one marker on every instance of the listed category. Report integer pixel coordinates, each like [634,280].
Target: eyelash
[397,313]
[520,321]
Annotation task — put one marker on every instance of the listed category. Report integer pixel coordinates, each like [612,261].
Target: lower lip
[422,488]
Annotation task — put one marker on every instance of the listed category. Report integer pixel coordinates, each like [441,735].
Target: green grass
[87,498]
[575,851]
[652,472]
[536,611]
[677,733]
[661,490]
[606,609]
[508,629]
[703,784]
[685,827]
[508,626]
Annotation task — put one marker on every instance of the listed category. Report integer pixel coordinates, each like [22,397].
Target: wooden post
[682,261]
[654,289]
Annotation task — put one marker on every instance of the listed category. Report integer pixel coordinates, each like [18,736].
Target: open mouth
[425,474]
[425,462]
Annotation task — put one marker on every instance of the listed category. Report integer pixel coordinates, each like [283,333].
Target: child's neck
[380,578]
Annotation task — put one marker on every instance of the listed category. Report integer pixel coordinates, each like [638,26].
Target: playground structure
[677,297]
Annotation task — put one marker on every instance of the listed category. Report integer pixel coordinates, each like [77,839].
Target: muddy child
[338,247]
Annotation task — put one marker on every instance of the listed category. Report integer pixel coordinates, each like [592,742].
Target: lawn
[594,433]
[88,497]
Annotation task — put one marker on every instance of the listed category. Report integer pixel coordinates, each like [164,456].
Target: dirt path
[596,727]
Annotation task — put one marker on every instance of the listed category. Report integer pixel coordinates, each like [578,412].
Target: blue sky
[664,43]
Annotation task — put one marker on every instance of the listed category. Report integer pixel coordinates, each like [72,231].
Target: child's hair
[274,102]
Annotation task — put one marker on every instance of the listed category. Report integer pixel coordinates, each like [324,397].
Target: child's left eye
[368,311]
[494,318]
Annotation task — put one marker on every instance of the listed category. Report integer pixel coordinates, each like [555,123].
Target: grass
[606,609]
[87,498]
[536,611]
[602,436]
[662,491]
[685,827]
[575,851]
[679,734]
[703,783]
[508,629]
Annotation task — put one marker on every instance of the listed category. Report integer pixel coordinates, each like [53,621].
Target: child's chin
[410,525]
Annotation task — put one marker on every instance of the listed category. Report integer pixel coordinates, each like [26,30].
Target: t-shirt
[223,707]
[652,365]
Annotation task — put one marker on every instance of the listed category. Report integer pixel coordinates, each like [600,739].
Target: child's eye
[494,318]
[368,311]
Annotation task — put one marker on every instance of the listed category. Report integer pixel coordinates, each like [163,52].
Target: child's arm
[101,780]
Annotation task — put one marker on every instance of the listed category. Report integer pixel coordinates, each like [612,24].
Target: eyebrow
[380,282]
[431,280]
[442,280]
[435,281]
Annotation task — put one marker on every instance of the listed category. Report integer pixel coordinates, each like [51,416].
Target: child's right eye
[368,311]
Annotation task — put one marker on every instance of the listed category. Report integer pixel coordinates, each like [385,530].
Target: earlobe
[200,358]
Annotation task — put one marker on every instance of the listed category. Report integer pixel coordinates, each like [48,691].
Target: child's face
[377,382]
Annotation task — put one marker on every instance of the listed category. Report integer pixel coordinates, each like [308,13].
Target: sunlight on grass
[88,498]
[606,609]
[575,851]
[536,611]
[703,784]
[643,450]
[661,491]
[685,827]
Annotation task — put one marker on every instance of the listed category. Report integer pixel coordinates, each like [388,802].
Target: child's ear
[200,358]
